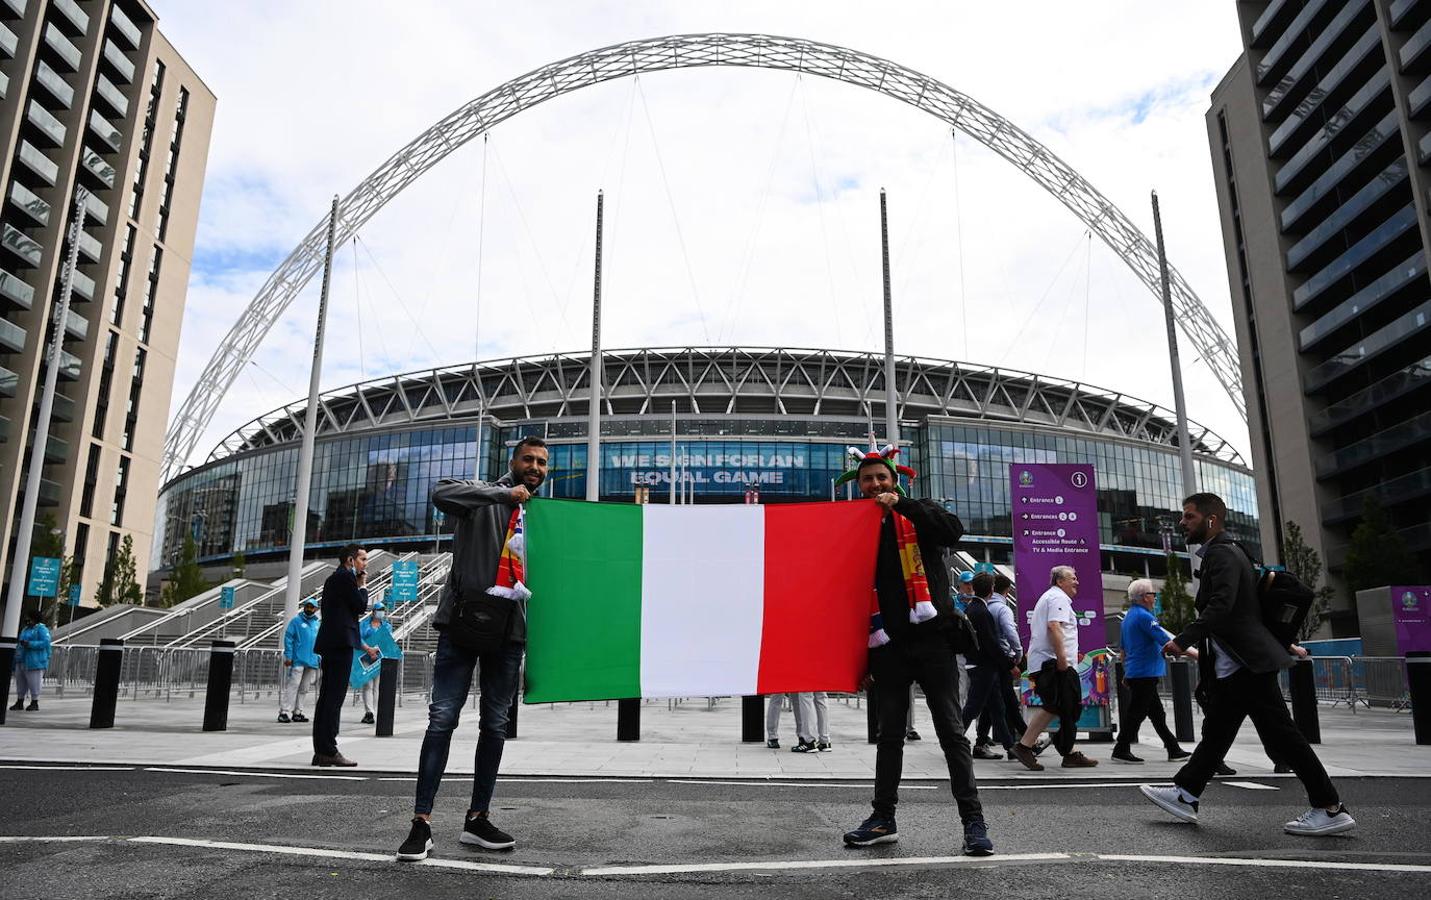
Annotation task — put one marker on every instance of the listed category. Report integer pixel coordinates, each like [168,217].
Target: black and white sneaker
[299,717]
[1317,822]
[804,747]
[773,744]
[823,746]
[1170,800]
[874,830]
[480,832]
[418,843]
[282,717]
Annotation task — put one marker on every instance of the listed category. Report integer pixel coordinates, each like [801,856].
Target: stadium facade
[776,420]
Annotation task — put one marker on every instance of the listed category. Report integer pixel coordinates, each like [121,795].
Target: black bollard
[221,679]
[1418,684]
[512,713]
[1180,671]
[1302,681]
[752,719]
[387,696]
[106,682]
[8,650]
[871,718]
[1125,701]
[628,719]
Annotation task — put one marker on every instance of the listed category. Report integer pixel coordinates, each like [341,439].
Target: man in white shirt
[1053,652]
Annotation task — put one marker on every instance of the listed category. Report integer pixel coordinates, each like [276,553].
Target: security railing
[1383,681]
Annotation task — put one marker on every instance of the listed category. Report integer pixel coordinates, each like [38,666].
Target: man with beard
[482,624]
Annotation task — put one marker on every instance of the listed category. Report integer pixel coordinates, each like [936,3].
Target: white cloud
[774,183]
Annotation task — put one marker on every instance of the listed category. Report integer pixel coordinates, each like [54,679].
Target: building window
[106,374]
[91,474]
[151,288]
[121,479]
[176,136]
[136,195]
[121,278]
[131,411]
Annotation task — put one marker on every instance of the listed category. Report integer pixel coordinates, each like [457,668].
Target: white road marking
[800,784]
[865,863]
[1252,786]
[73,768]
[1265,863]
[578,780]
[58,839]
[325,853]
[248,773]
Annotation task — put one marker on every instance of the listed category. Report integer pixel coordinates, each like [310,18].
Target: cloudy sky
[742,205]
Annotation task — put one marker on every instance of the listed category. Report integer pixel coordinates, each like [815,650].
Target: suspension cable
[1009,347]
[402,304]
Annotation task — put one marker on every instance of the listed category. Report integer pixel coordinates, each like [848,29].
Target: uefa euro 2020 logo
[1409,601]
[1025,478]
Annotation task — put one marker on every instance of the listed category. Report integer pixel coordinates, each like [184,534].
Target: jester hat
[885,456]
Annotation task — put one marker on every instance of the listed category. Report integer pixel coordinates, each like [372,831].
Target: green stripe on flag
[584,619]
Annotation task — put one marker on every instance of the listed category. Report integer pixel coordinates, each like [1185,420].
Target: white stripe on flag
[702,600]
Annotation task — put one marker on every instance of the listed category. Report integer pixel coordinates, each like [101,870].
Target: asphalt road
[166,833]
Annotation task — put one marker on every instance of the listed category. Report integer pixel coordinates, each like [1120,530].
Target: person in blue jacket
[300,661]
[31,662]
[1143,665]
[375,624]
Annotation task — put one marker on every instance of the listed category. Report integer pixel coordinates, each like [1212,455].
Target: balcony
[4,85]
[95,164]
[1337,123]
[82,284]
[1274,58]
[21,244]
[9,43]
[125,27]
[25,200]
[76,325]
[9,383]
[64,409]
[1330,35]
[1391,493]
[36,161]
[1398,384]
[15,291]
[57,451]
[1373,345]
[72,15]
[105,131]
[63,47]
[4,429]
[111,95]
[55,84]
[12,9]
[1416,430]
[1414,53]
[49,493]
[12,337]
[70,367]
[47,124]
[1411,271]
[1357,254]
[1391,179]
[90,247]
[96,208]
[116,58]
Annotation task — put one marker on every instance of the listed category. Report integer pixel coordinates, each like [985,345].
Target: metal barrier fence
[1383,681]
[1335,680]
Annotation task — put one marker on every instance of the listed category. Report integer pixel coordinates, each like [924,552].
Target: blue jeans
[451,680]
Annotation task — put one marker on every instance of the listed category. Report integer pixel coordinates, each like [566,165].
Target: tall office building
[92,95]
[1321,141]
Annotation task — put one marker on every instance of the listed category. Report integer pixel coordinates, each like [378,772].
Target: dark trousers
[927,660]
[1061,693]
[1012,707]
[498,674]
[1244,695]
[336,665]
[1144,703]
[984,696]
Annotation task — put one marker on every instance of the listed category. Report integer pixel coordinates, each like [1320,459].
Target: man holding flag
[911,640]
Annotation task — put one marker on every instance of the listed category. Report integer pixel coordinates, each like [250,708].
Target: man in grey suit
[1238,662]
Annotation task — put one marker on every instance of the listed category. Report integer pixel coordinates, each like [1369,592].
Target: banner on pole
[226,597]
[75,591]
[1054,507]
[405,579]
[44,576]
[1411,613]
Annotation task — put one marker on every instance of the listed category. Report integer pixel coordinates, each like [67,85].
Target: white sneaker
[1170,800]
[1317,822]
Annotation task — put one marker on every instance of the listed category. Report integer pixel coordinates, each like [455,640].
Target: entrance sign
[1411,614]
[1054,507]
[405,577]
[44,576]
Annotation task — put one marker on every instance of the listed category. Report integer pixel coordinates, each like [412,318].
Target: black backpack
[1284,598]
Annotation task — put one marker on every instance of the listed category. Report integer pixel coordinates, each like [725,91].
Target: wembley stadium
[773,420]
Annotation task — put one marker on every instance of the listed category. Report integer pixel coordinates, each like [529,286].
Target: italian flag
[692,601]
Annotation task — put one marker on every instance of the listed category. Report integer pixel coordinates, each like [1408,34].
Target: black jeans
[1061,693]
[1143,703]
[1012,707]
[925,658]
[1244,695]
[984,695]
[337,665]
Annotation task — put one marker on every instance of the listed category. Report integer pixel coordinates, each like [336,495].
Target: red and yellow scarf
[916,586]
[510,569]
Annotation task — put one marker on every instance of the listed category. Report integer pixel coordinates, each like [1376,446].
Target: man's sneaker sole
[1127,762]
[472,839]
[415,857]
[882,839]
[1171,809]
[1325,831]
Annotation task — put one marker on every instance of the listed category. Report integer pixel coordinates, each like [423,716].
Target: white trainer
[1170,800]
[1317,822]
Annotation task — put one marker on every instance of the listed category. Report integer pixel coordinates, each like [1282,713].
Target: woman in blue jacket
[371,630]
[31,662]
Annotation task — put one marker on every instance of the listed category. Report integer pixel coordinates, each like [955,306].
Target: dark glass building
[1321,137]
[776,421]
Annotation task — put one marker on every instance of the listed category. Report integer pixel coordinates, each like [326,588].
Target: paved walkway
[688,740]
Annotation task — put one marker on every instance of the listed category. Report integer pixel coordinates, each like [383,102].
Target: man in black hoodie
[345,599]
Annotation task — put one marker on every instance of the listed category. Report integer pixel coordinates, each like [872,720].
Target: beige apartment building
[93,95]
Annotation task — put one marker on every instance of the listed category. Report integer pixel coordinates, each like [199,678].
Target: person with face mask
[374,629]
[31,662]
[300,662]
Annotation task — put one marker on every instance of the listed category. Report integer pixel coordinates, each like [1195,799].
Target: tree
[186,579]
[1178,610]
[1306,563]
[239,563]
[1377,554]
[120,583]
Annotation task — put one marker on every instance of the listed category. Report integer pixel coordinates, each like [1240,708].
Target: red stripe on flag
[819,571]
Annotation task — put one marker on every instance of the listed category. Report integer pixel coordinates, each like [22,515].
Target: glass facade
[374,488]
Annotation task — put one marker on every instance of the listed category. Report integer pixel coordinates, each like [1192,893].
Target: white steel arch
[683,52]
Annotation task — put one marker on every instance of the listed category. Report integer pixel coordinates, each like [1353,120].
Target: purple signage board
[1054,507]
[1411,613]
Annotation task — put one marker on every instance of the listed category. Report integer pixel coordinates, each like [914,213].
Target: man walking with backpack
[482,624]
[1238,662]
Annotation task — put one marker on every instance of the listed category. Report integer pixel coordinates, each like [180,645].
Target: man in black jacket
[1238,662]
[345,599]
[987,662]
[914,651]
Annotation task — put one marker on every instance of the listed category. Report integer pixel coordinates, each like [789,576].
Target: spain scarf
[916,586]
[510,564]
